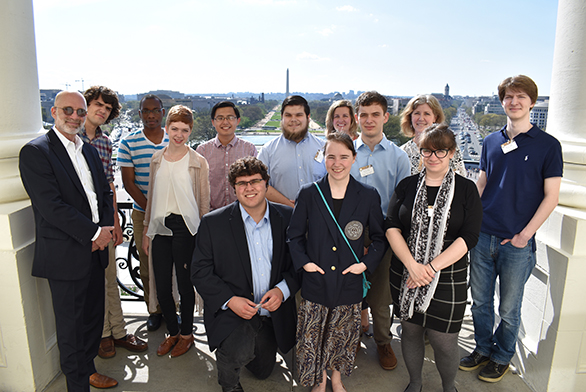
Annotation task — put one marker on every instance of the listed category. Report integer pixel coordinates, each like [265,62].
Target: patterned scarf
[425,241]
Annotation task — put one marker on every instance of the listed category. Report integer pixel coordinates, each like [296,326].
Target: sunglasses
[68,110]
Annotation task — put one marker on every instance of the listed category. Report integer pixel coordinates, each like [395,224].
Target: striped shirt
[103,144]
[219,159]
[136,151]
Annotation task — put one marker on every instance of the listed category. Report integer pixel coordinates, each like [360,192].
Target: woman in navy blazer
[328,325]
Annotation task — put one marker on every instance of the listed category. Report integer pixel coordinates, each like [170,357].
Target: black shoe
[473,361]
[237,388]
[154,321]
[493,372]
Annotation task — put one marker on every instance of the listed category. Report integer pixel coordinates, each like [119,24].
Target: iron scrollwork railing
[130,261]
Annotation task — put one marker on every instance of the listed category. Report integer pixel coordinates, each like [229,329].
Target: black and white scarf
[426,239]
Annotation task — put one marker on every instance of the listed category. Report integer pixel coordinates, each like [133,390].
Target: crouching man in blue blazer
[243,271]
[72,205]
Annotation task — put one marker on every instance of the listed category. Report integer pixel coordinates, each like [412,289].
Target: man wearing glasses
[243,271]
[134,158]
[222,151]
[72,205]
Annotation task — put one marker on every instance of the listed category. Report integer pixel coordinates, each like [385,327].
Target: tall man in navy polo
[519,182]
[296,157]
[381,164]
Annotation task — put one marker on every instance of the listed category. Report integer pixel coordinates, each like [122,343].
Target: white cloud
[305,56]
[325,32]
[346,8]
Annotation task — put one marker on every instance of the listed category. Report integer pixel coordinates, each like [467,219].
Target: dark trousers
[253,345]
[79,319]
[169,251]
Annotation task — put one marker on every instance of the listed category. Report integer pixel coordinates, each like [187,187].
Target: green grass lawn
[276,116]
[273,123]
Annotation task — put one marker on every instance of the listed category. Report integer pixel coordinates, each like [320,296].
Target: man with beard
[296,157]
[103,106]
[72,205]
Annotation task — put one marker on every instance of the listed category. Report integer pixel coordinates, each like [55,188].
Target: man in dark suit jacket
[242,269]
[72,205]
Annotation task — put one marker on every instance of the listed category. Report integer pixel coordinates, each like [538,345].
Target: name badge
[509,146]
[366,171]
[319,156]
[430,211]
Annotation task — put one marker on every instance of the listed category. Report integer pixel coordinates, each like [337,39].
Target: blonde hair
[436,108]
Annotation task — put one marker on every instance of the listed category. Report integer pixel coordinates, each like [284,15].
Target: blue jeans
[513,266]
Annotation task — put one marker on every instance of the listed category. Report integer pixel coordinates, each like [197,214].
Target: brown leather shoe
[182,346]
[107,349]
[132,343]
[386,357]
[167,345]
[101,381]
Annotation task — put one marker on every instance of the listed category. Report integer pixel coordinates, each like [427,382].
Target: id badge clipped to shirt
[319,156]
[366,171]
[509,146]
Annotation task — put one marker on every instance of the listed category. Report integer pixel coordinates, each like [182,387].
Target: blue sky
[396,47]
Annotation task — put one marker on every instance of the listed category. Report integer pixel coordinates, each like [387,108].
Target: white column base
[29,357]
[551,352]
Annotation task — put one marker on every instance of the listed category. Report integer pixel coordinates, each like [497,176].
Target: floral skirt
[326,340]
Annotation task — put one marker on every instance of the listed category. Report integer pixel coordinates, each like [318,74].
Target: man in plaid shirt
[222,151]
[103,106]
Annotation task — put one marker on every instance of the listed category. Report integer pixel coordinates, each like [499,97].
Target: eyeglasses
[68,110]
[242,184]
[426,153]
[154,111]
[222,118]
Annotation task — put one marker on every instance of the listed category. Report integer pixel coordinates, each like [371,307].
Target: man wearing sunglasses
[243,271]
[222,151]
[134,158]
[72,206]
[103,107]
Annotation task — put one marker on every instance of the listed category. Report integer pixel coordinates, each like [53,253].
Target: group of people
[290,249]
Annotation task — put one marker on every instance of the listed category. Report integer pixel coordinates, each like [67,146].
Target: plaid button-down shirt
[103,144]
[219,159]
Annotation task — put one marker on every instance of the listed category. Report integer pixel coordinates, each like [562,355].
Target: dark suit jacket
[314,237]
[221,269]
[63,218]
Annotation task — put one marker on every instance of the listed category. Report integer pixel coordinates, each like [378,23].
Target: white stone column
[29,358]
[551,353]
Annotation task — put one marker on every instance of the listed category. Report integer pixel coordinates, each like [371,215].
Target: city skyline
[196,47]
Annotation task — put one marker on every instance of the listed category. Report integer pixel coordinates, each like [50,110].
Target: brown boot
[182,346]
[386,357]
[167,345]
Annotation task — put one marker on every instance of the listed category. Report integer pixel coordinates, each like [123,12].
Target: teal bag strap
[366,283]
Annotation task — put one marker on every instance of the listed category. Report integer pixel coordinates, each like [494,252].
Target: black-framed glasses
[154,111]
[68,110]
[242,184]
[222,118]
[426,153]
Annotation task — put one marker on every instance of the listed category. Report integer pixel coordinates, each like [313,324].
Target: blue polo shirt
[514,186]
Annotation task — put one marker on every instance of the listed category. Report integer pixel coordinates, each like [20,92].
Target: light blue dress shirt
[292,164]
[260,248]
[390,164]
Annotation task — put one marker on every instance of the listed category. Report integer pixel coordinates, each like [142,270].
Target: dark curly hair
[108,96]
[247,166]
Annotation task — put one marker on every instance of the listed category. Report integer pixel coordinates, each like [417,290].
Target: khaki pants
[138,225]
[114,324]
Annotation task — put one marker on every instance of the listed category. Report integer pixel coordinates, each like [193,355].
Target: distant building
[396,105]
[447,91]
[538,115]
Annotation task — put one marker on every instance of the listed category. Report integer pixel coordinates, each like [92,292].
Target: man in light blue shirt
[383,165]
[243,271]
[296,157]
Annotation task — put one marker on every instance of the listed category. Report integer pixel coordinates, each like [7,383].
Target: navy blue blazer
[221,269]
[63,218]
[314,237]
